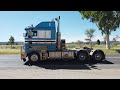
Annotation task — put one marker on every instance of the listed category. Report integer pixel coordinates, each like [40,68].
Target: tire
[82,56]
[34,57]
[98,56]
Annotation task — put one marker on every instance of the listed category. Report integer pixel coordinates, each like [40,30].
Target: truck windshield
[30,34]
[34,33]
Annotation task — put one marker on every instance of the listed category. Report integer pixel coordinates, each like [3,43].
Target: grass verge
[6,49]
[9,51]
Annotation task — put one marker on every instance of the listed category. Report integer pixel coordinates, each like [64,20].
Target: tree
[87,40]
[117,37]
[11,41]
[104,39]
[114,40]
[98,42]
[106,21]
[89,34]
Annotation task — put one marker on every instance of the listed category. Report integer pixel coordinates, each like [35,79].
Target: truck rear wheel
[98,56]
[82,56]
[34,56]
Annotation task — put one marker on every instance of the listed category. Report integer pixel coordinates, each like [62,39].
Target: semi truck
[43,42]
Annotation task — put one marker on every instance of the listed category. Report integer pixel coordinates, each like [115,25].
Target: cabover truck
[43,42]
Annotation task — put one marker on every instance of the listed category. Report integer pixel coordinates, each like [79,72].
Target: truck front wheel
[34,56]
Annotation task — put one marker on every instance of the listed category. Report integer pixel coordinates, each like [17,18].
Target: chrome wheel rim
[82,57]
[34,57]
[98,56]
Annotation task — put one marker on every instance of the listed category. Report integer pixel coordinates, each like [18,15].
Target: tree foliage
[98,42]
[89,33]
[11,41]
[106,21]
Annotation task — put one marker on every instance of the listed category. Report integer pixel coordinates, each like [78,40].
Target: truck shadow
[94,64]
[71,65]
[59,64]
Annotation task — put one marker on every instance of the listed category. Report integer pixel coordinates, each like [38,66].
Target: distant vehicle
[43,42]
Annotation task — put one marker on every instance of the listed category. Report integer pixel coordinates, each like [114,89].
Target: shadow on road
[106,62]
[118,50]
[94,64]
[59,64]
[72,65]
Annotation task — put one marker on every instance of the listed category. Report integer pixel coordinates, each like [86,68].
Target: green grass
[9,51]
[113,50]
[6,49]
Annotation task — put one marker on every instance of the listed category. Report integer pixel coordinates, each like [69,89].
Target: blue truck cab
[43,34]
[43,42]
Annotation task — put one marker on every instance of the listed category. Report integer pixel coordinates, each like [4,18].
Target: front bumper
[23,54]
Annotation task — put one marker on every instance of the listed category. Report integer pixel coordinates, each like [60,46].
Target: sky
[72,26]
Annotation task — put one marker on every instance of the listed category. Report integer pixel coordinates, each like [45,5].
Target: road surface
[12,67]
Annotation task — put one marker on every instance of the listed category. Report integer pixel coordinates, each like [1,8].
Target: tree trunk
[107,41]
[11,45]
[90,43]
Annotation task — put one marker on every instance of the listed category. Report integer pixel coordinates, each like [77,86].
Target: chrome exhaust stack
[58,34]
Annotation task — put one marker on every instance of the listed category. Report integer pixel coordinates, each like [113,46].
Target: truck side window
[34,33]
[49,24]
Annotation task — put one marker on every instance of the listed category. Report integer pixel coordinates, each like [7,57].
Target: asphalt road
[14,62]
